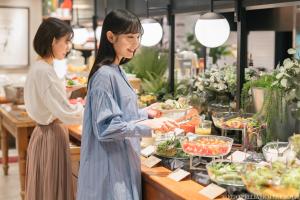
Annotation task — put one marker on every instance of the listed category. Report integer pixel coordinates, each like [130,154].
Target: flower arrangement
[220,81]
[288,78]
[288,82]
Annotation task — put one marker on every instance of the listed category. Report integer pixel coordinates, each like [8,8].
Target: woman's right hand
[162,124]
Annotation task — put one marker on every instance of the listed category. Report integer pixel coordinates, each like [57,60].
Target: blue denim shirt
[110,147]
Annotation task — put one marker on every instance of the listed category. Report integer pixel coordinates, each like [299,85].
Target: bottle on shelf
[250,64]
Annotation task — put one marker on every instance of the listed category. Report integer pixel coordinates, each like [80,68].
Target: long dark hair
[119,22]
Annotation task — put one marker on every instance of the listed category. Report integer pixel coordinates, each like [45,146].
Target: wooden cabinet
[75,158]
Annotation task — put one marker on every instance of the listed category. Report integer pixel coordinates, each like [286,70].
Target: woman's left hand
[153,113]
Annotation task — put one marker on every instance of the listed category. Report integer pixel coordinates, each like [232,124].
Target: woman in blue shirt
[113,124]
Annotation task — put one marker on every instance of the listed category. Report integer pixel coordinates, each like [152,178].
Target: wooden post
[241,49]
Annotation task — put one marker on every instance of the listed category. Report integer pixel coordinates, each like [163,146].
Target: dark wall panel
[275,19]
[283,41]
[110,5]
[279,19]
[187,6]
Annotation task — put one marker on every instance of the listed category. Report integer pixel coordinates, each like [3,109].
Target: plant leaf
[291,51]
[283,82]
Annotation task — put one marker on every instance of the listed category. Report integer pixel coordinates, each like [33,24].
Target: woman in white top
[48,172]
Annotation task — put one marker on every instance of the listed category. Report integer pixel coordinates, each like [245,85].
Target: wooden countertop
[154,179]
[17,115]
[157,178]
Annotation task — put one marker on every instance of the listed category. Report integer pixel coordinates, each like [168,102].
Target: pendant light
[153,31]
[81,34]
[212,29]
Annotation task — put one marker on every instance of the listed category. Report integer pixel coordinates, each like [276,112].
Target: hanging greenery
[264,81]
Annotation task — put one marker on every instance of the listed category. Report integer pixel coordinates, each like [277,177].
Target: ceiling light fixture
[153,31]
[212,29]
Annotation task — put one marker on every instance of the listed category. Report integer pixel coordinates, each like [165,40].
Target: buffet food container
[207,145]
[274,151]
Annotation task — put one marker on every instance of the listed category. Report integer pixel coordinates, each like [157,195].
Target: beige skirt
[48,170]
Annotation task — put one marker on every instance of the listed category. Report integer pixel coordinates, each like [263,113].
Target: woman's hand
[160,124]
[153,113]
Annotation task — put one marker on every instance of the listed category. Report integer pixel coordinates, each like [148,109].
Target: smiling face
[124,45]
[60,47]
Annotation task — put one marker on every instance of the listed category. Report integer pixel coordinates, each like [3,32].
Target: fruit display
[147,99]
[171,149]
[278,180]
[225,172]
[207,146]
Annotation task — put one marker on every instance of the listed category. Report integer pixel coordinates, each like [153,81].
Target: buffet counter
[155,183]
[15,121]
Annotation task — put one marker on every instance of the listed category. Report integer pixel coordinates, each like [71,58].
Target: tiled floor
[10,185]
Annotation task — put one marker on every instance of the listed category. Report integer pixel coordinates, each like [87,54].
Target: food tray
[276,181]
[170,148]
[275,151]
[175,113]
[225,172]
[219,118]
[172,157]
[207,145]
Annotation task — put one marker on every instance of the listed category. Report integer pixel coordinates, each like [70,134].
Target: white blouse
[46,98]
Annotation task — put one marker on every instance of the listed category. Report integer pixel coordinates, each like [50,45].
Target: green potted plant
[218,52]
[254,92]
[281,89]
[148,62]
[288,81]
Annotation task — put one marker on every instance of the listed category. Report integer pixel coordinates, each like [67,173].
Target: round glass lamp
[153,32]
[212,30]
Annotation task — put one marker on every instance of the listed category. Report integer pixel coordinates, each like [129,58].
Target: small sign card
[212,191]
[178,174]
[238,156]
[151,161]
[146,152]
